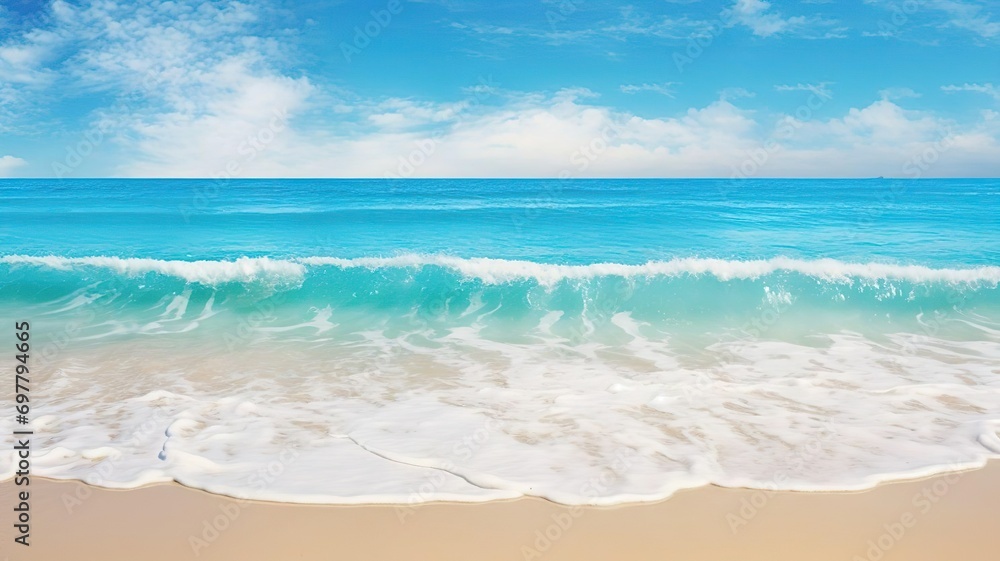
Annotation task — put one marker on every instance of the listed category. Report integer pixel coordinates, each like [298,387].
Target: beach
[420,383]
[950,516]
[500,281]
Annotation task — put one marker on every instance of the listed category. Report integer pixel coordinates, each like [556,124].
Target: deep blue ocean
[929,222]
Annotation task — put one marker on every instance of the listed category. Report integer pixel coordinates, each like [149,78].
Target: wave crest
[243,269]
[499,271]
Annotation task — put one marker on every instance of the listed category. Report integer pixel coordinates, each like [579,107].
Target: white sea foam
[503,270]
[206,272]
[414,415]
[318,402]
[495,271]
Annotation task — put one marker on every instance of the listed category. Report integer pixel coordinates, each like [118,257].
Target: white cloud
[25,73]
[735,93]
[630,23]
[191,83]
[201,92]
[566,133]
[821,89]
[756,15]
[883,123]
[894,94]
[664,28]
[9,164]
[398,113]
[988,89]
[665,88]
[23,58]
[970,16]
[762,21]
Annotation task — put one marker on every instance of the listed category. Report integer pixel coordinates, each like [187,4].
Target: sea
[584,341]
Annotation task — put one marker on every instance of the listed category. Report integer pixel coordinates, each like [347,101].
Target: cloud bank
[205,92]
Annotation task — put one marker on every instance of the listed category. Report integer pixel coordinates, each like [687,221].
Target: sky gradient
[744,88]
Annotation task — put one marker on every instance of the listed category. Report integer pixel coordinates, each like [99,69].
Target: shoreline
[945,516]
[903,479]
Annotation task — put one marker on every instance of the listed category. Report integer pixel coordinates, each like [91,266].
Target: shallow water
[585,341]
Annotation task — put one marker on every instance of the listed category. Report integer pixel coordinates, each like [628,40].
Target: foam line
[497,271]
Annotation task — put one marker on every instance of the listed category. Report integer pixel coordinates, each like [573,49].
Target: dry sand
[955,517]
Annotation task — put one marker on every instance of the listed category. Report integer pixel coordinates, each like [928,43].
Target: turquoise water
[704,329]
[930,222]
[508,231]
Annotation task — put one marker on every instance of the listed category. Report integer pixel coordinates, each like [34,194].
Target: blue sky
[459,88]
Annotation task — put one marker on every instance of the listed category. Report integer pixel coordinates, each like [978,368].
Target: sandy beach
[951,516]
[500,281]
